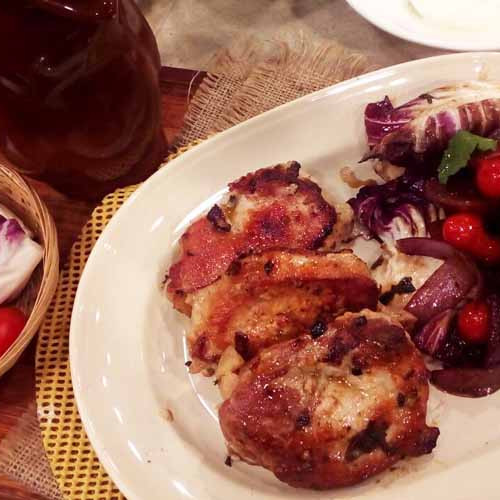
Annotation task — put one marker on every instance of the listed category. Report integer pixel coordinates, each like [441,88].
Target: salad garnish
[459,152]
[444,206]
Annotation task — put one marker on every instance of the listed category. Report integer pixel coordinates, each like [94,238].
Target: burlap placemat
[255,76]
[22,456]
[245,81]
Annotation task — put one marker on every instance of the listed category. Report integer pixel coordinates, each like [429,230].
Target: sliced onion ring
[493,348]
[456,281]
[433,335]
[427,247]
[460,199]
[468,382]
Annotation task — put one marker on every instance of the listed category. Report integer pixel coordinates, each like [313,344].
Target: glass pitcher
[80,102]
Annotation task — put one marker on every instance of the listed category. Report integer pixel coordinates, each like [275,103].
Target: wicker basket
[18,196]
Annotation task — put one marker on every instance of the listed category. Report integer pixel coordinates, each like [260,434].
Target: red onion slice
[457,280]
[435,304]
[468,382]
[493,348]
[427,247]
[456,197]
[432,337]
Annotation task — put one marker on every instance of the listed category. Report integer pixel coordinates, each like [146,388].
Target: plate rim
[79,394]
[364,9]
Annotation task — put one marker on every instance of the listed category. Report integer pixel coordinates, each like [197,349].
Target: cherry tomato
[12,321]
[466,232]
[488,176]
[477,157]
[473,322]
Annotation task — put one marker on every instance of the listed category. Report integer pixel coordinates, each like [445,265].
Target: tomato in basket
[12,321]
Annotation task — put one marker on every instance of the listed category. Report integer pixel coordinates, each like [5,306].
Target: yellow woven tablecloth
[75,465]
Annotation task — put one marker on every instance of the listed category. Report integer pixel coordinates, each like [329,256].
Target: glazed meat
[333,410]
[271,208]
[275,296]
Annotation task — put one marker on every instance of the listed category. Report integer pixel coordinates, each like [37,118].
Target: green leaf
[459,151]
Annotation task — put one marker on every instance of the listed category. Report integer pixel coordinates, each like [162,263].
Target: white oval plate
[127,347]
[399,19]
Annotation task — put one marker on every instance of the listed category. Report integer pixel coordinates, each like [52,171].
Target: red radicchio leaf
[395,208]
[422,127]
[381,118]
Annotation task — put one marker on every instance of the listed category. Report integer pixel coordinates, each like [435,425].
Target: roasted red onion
[427,247]
[468,382]
[432,337]
[456,281]
[436,303]
[493,348]
[456,198]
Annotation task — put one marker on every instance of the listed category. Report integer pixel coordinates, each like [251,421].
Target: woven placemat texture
[247,80]
[22,456]
[74,463]
[255,76]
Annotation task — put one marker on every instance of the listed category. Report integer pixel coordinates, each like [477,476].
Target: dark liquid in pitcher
[79,93]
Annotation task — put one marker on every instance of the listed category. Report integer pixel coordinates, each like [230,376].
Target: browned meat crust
[270,208]
[267,298]
[332,411]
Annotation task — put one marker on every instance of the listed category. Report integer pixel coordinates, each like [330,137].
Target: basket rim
[50,267]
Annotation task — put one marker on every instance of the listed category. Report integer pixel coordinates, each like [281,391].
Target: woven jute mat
[245,81]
